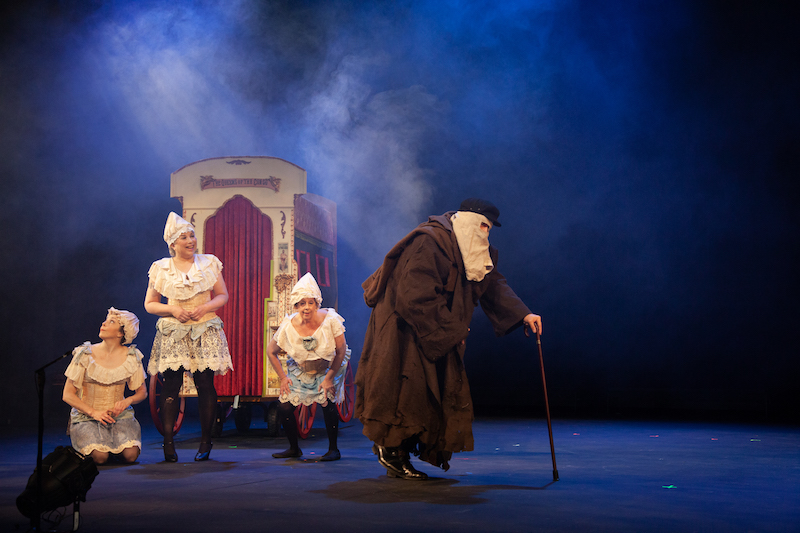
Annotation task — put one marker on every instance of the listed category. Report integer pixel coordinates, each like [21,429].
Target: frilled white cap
[129,322]
[174,227]
[306,287]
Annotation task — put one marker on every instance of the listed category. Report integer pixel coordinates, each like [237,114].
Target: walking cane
[546,404]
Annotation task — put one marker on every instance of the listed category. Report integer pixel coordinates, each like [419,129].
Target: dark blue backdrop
[644,156]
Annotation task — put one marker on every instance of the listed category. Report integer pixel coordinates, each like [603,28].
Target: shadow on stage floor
[614,476]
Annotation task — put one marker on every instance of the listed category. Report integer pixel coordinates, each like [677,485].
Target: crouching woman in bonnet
[102,422]
[313,340]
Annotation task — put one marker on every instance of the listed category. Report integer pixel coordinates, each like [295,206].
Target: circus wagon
[255,215]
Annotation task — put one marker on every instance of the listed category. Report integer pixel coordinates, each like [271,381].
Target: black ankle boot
[409,472]
[396,462]
[389,458]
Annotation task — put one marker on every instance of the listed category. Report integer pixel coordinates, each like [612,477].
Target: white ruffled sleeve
[336,322]
[210,261]
[77,368]
[281,337]
[136,379]
[158,274]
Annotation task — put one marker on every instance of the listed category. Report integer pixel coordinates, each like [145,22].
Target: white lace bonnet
[306,287]
[176,225]
[128,321]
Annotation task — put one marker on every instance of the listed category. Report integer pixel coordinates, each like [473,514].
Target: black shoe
[389,458]
[409,472]
[332,455]
[396,462]
[203,456]
[170,455]
[285,454]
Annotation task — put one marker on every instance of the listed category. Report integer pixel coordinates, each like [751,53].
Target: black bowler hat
[482,207]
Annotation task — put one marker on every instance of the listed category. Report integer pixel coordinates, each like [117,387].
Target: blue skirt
[91,435]
[305,387]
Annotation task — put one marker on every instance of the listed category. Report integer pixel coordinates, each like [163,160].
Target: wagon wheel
[155,405]
[348,403]
[243,416]
[272,419]
[304,415]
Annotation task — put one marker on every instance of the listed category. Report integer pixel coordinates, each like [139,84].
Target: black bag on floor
[67,477]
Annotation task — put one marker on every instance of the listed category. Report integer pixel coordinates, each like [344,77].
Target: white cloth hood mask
[473,243]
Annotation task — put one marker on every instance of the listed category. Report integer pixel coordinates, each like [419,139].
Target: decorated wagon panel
[315,243]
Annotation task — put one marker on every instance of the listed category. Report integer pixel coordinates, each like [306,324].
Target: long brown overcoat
[411,382]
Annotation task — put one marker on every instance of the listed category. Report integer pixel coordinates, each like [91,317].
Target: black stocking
[206,405]
[331,424]
[289,423]
[170,406]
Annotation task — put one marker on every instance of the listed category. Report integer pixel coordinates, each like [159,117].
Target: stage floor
[614,476]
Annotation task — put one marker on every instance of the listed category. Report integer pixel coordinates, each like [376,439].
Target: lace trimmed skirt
[193,347]
[304,388]
[91,435]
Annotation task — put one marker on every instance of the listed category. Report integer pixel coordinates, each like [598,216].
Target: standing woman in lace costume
[189,335]
[313,340]
[102,422]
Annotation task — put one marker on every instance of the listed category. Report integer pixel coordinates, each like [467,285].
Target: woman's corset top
[314,366]
[101,396]
[195,301]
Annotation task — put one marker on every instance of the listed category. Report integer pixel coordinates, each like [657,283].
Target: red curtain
[240,235]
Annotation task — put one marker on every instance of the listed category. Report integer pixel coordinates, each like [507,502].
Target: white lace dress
[101,388]
[196,345]
[305,352]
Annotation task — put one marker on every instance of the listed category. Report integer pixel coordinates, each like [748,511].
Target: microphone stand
[40,379]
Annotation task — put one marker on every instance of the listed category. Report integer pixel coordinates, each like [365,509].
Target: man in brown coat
[413,395]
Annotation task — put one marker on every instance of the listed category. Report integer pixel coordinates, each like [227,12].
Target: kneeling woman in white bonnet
[102,422]
[313,340]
